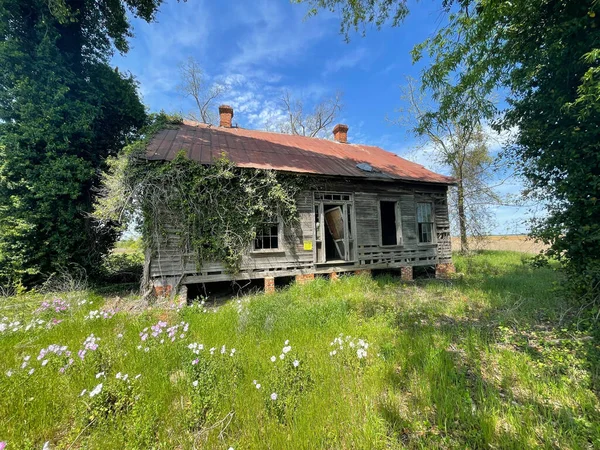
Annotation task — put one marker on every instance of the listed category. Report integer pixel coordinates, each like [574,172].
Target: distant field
[509,242]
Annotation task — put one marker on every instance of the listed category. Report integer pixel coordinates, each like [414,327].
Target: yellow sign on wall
[307,245]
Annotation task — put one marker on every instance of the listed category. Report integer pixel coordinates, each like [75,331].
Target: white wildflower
[96,390]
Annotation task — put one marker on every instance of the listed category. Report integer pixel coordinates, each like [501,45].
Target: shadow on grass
[459,378]
[443,393]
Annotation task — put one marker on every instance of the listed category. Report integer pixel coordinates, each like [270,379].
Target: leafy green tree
[545,54]
[63,110]
[459,143]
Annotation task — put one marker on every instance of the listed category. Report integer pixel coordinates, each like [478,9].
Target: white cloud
[157,49]
[255,102]
[267,36]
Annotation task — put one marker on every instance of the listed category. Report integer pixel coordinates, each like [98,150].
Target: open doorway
[334,233]
[334,228]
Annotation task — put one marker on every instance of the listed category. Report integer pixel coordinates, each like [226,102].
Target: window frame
[399,234]
[320,198]
[433,227]
[279,248]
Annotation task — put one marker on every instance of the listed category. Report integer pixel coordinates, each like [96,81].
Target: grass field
[509,242]
[490,360]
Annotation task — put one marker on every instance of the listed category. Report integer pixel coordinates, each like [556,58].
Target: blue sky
[261,48]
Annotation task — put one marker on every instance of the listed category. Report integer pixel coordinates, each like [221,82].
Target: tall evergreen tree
[63,110]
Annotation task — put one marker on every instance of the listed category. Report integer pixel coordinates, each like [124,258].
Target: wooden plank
[172,261]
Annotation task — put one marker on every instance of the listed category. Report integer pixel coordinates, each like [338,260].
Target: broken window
[425,222]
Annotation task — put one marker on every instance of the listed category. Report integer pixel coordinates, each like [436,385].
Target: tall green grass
[477,362]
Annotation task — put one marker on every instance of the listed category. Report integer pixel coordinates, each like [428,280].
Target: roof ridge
[263,149]
[279,133]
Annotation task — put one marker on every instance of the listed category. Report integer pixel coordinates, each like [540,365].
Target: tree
[63,109]
[315,123]
[545,55]
[193,85]
[461,144]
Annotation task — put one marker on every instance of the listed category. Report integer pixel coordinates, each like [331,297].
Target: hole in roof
[365,167]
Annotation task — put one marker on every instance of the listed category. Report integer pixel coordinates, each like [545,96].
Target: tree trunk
[462,218]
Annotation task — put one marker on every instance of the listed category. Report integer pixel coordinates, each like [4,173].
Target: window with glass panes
[267,235]
[425,222]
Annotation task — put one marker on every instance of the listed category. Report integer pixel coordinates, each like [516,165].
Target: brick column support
[269,285]
[164,288]
[305,278]
[444,270]
[334,276]
[406,273]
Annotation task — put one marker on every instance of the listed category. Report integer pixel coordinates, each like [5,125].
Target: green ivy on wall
[213,209]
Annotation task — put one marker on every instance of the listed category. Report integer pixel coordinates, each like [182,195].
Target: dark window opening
[267,236]
[425,222]
[389,227]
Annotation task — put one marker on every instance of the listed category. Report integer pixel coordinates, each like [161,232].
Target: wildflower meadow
[357,363]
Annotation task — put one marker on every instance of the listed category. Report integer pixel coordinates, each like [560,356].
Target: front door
[334,227]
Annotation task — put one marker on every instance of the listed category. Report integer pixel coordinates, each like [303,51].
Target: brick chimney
[225,115]
[340,133]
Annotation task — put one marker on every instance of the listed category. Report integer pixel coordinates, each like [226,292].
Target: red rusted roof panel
[265,150]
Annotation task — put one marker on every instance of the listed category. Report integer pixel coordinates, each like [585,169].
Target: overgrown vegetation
[491,360]
[63,110]
[545,57]
[214,209]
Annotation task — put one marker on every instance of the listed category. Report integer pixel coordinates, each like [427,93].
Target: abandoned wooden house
[367,208]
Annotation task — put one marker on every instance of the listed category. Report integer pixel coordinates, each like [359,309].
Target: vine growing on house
[214,210]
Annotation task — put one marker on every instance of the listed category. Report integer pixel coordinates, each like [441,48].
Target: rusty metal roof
[290,153]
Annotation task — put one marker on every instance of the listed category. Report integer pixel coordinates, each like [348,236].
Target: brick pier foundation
[406,273]
[444,270]
[269,285]
[305,278]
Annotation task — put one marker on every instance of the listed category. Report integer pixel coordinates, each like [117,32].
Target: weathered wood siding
[168,260]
